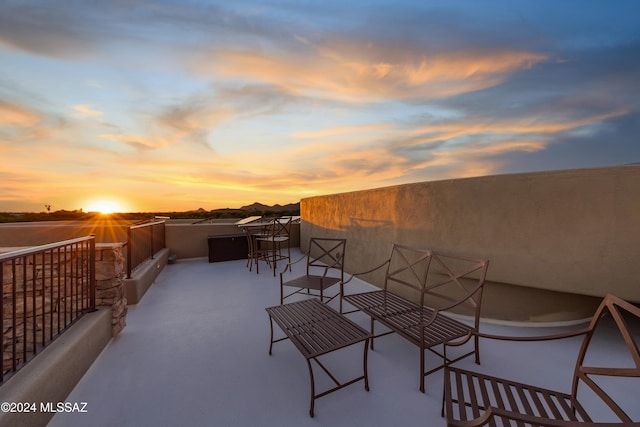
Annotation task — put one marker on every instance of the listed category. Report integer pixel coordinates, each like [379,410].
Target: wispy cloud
[87,111]
[340,76]
[369,128]
[136,141]
[17,115]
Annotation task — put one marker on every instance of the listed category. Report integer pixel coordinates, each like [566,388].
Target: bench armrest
[437,311]
[559,336]
[368,271]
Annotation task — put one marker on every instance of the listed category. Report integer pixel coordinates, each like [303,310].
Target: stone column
[110,285]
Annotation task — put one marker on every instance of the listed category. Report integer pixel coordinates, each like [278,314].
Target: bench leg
[372,334]
[422,369]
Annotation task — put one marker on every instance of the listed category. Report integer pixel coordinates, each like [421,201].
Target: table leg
[313,388]
[271,340]
[365,369]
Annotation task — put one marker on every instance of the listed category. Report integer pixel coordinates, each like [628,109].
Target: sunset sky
[178,105]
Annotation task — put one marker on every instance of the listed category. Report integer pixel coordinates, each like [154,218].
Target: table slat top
[315,328]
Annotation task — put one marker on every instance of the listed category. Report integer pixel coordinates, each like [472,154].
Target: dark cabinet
[227,247]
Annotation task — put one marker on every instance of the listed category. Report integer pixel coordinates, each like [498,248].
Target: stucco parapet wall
[191,240]
[55,371]
[571,231]
[144,275]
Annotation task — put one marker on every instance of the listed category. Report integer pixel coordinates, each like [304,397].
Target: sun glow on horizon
[104,206]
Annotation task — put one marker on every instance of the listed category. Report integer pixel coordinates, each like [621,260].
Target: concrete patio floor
[195,353]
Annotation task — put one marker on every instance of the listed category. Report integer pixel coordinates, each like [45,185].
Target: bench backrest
[456,281]
[435,278]
[407,270]
[619,314]
[326,253]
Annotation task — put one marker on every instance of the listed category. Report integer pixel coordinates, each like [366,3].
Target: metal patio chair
[270,244]
[324,269]
[253,232]
[475,399]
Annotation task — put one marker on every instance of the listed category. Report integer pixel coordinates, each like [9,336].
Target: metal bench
[438,282]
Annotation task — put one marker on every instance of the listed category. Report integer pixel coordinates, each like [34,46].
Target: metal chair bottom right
[474,399]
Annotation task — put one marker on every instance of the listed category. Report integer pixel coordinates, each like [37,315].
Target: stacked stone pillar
[110,284]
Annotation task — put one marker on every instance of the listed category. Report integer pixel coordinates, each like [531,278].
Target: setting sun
[104,206]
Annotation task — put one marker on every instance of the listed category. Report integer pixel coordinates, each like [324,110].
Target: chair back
[326,253]
[278,228]
[282,226]
[616,322]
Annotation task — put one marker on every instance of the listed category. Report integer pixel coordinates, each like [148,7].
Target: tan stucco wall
[574,231]
[191,240]
[184,238]
[53,373]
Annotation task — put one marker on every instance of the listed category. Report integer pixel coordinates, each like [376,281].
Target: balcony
[195,348]
[195,352]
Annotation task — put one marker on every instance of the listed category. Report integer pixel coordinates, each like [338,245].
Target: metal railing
[143,242]
[45,290]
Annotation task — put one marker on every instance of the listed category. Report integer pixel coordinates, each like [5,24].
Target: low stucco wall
[556,241]
[144,275]
[184,238]
[54,372]
[191,240]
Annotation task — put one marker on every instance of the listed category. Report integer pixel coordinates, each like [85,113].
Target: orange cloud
[16,115]
[466,65]
[340,130]
[437,75]
[512,126]
[136,141]
[334,74]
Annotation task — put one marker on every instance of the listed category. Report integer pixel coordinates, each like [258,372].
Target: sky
[149,105]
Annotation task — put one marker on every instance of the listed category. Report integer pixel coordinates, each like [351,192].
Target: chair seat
[469,394]
[273,238]
[312,282]
[404,317]
[380,303]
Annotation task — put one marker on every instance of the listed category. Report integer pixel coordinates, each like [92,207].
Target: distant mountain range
[275,208]
[78,215]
